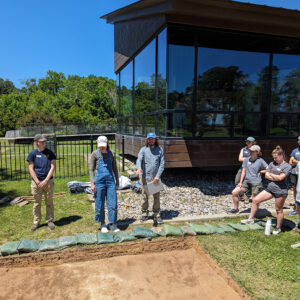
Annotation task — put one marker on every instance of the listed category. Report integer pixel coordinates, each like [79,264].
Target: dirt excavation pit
[160,269]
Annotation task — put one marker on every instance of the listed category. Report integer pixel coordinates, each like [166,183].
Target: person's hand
[43,183]
[139,171]
[93,187]
[37,182]
[239,185]
[155,180]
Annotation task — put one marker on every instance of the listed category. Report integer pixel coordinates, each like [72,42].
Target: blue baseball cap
[151,135]
[250,139]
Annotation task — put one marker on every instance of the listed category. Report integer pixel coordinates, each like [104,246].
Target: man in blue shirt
[294,159]
[41,168]
[150,164]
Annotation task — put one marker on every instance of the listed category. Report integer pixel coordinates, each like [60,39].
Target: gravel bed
[189,193]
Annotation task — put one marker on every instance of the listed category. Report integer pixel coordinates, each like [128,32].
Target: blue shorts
[276,195]
[297,203]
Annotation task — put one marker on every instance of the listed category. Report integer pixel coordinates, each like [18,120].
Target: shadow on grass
[67,220]
[124,223]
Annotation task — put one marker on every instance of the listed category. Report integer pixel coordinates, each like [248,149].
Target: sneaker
[144,218]
[114,228]
[293,213]
[35,227]
[276,231]
[103,228]
[233,211]
[51,225]
[247,221]
[157,220]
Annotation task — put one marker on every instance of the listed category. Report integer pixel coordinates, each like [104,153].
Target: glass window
[126,89]
[161,120]
[128,125]
[231,80]
[285,125]
[250,124]
[181,76]
[138,125]
[145,80]
[180,124]
[286,83]
[213,125]
[161,69]
[149,124]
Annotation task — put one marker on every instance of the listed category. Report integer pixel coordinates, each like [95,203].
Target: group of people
[279,174]
[150,163]
[104,179]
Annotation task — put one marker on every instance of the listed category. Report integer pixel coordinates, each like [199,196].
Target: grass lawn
[266,266]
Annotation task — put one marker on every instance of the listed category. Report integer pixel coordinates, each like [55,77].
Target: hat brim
[102,144]
[41,140]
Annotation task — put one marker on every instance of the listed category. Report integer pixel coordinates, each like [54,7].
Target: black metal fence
[72,152]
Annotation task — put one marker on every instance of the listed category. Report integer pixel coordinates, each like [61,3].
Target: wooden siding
[204,153]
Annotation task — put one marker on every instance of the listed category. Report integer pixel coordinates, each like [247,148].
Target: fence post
[123,153]
[91,144]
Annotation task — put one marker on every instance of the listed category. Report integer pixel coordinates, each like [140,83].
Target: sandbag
[10,248]
[171,230]
[239,227]
[213,228]
[226,228]
[124,236]
[187,230]
[106,238]
[255,226]
[49,245]
[159,231]
[142,232]
[28,245]
[200,229]
[86,238]
[66,241]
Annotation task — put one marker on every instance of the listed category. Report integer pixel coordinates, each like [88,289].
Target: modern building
[206,74]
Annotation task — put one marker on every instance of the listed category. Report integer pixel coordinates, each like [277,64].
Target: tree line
[57,99]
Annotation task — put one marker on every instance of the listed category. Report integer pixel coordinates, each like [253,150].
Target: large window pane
[162,68]
[180,124]
[138,125]
[128,125]
[286,83]
[126,89]
[285,125]
[161,124]
[181,76]
[145,80]
[249,125]
[149,124]
[213,125]
[232,80]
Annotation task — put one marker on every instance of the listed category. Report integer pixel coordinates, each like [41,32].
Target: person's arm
[139,162]
[50,174]
[274,177]
[115,170]
[93,160]
[241,156]
[32,172]
[242,177]
[293,161]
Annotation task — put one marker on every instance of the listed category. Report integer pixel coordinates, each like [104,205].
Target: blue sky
[63,35]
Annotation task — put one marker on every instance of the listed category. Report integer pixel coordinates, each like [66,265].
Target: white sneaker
[103,228]
[276,231]
[247,221]
[114,228]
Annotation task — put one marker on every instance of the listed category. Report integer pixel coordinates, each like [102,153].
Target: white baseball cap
[102,141]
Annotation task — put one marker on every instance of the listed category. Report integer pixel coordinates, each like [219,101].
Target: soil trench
[164,269]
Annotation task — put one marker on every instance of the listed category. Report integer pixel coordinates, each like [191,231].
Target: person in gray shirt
[250,180]
[277,174]
[150,165]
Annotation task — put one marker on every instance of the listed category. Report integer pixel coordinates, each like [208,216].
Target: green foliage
[56,99]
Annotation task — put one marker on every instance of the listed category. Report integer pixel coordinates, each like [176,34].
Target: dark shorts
[253,188]
[294,179]
[275,194]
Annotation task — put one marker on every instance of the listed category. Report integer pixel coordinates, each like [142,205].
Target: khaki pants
[37,193]
[156,201]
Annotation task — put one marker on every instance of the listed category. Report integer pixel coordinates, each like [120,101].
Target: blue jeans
[106,187]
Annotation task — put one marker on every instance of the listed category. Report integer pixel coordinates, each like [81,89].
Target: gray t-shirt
[297,171]
[253,168]
[279,187]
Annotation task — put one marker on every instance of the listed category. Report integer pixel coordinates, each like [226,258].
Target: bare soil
[160,269]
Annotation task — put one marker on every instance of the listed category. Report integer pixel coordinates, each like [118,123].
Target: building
[206,74]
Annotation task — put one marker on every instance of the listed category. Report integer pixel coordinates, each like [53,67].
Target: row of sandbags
[25,245]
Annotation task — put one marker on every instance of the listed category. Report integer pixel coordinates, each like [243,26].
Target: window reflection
[181,76]
[285,125]
[149,124]
[213,125]
[231,80]
[138,125]
[145,80]
[126,89]
[250,125]
[180,124]
[286,83]
[161,69]
[161,120]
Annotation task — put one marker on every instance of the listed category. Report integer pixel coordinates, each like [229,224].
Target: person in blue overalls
[104,184]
